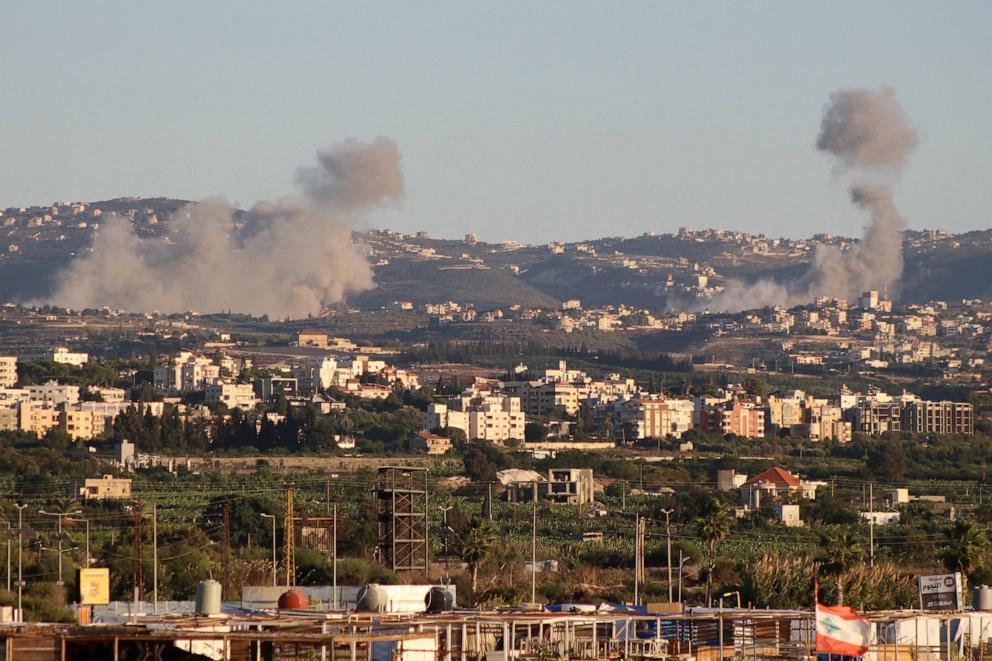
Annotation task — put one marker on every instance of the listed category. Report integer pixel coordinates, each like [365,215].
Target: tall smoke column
[285,258]
[872,137]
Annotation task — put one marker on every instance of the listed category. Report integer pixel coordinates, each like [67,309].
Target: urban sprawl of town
[623,472]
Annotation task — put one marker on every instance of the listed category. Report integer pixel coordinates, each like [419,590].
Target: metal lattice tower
[401,503]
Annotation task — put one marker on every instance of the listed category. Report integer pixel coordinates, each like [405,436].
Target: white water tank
[372,598]
[208,596]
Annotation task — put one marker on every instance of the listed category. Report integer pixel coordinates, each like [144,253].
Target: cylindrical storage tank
[438,600]
[208,596]
[294,600]
[981,598]
[371,598]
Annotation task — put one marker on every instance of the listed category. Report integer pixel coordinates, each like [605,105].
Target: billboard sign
[940,592]
[94,586]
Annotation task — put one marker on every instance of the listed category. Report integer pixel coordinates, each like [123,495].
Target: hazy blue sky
[525,120]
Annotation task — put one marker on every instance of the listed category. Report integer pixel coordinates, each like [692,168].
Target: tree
[714,527]
[840,550]
[964,548]
[535,431]
[888,463]
[474,544]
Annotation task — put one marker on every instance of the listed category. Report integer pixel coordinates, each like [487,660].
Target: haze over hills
[650,271]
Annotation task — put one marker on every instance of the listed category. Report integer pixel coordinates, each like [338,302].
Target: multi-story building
[564,486]
[64,356]
[53,393]
[186,372]
[8,418]
[876,417]
[86,420]
[8,371]
[37,417]
[269,387]
[737,417]
[234,395]
[651,417]
[824,422]
[926,417]
[316,374]
[482,416]
[785,412]
[112,395]
[83,424]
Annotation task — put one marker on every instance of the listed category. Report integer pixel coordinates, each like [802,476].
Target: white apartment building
[827,422]
[53,393]
[234,395]
[64,356]
[495,418]
[645,417]
[316,374]
[8,371]
[186,372]
[111,395]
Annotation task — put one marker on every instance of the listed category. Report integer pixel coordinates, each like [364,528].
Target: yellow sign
[94,586]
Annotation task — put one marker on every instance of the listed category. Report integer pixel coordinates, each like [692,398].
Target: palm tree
[714,527]
[965,546]
[474,545]
[840,550]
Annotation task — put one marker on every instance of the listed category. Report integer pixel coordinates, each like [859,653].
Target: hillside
[647,271]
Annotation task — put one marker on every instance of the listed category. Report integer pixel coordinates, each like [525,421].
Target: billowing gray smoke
[286,258]
[871,137]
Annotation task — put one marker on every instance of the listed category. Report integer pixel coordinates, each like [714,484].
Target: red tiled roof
[777,476]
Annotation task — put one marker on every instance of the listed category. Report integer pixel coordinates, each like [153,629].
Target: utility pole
[138,578]
[86,560]
[20,563]
[444,517]
[668,535]
[290,542]
[155,558]
[274,568]
[9,537]
[871,524]
[334,545]
[637,557]
[226,557]
[59,516]
[533,553]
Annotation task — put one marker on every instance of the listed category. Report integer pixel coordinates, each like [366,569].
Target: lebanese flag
[840,630]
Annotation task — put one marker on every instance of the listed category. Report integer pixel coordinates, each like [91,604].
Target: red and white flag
[840,630]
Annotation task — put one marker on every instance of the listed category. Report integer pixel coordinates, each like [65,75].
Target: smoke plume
[871,137]
[286,258]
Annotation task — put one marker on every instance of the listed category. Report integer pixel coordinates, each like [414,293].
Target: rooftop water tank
[372,598]
[294,600]
[438,599]
[208,595]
